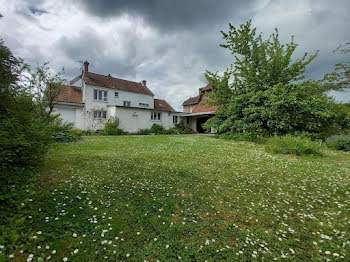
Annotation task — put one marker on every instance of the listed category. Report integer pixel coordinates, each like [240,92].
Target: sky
[171,44]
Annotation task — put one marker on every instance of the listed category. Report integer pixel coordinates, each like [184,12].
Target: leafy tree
[45,86]
[264,91]
[340,78]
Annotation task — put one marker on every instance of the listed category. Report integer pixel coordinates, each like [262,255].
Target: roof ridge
[116,78]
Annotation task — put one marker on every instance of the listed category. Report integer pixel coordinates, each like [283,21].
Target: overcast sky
[166,42]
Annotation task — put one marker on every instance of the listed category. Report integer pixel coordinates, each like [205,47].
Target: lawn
[189,198]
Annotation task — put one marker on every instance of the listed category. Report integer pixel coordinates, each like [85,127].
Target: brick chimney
[86,67]
[144,82]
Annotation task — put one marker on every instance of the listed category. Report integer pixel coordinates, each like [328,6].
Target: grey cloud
[170,14]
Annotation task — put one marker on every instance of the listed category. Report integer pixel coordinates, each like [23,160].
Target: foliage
[339,142]
[249,137]
[65,132]
[111,129]
[25,134]
[264,90]
[45,86]
[339,79]
[155,129]
[160,130]
[296,145]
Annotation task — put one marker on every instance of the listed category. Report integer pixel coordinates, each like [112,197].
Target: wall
[72,114]
[133,119]
[91,104]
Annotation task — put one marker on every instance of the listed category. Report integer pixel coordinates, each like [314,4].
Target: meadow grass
[189,198]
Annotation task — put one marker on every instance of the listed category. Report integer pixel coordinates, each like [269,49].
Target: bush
[155,129]
[111,129]
[339,142]
[255,138]
[65,132]
[296,145]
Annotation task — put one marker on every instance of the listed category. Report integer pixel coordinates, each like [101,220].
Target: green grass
[136,198]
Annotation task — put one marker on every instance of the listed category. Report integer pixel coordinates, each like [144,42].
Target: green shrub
[65,132]
[255,138]
[339,142]
[296,145]
[157,129]
[111,129]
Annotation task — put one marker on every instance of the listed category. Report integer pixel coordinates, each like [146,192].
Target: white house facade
[100,98]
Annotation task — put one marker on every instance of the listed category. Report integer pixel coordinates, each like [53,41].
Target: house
[198,109]
[99,98]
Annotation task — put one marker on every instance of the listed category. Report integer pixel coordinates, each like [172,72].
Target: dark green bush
[65,132]
[339,142]
[155,129]
[255,138]
[296,145]
[111,129]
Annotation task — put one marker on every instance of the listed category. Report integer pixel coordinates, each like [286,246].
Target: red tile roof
[117,83]
[71,94]
[161,104]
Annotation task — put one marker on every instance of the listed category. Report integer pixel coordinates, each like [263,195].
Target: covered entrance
[200,122]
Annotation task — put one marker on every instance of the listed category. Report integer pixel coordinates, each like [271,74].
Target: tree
[340,78]
[45,86]
[265,91]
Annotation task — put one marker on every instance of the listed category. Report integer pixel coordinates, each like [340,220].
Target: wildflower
[65,259]
[75,251]
[127,255]
[75,235]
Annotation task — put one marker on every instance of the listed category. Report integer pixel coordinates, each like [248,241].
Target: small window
[143,104]
[126,103]
[175,118]
[105,94]
[100,95]
[95,94]
[156,116]
[116,94]
[100,114]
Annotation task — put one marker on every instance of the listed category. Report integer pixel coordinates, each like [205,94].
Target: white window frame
[175,119]
[116,94]
[156,116]
[126,103]
[100,114]
[100,95]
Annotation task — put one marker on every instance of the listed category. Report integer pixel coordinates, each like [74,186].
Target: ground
[194,198]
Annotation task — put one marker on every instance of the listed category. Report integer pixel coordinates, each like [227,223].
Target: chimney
[86,67]
[144,82]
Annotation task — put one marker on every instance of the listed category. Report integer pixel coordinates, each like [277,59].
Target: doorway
[200,122]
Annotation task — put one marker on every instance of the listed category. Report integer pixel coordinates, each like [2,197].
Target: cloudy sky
[169,43]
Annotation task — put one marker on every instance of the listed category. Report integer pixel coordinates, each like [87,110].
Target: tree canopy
[265,90]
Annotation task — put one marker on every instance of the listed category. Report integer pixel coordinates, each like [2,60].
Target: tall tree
[265,90]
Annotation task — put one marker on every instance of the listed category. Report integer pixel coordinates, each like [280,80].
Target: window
[175,119]
[126,103]
[100,114]
[116,94]
[100,95]
[156,116]
[143,104]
